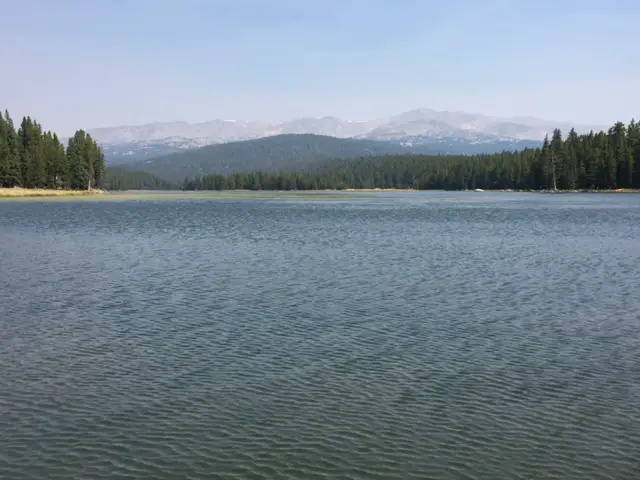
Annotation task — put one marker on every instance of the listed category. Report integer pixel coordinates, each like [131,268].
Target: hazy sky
[89,63]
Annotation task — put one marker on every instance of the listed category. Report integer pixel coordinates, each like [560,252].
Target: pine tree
[610,163]
[32,154]
[13,176]
[56,162]
[591,161]
[548,160]
[99,165]
[618,139]
[4,152]
[79,173]
[570,167]
[61,164]
[24,133]
[633,158]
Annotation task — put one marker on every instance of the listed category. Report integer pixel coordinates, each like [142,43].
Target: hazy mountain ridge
[418,125]
[267,154]
[289,152]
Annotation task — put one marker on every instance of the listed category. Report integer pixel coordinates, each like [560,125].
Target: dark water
[471,336]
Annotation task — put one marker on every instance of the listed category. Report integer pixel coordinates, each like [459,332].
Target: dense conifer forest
[117,178]
[593,161]
[33,158]
[288,153]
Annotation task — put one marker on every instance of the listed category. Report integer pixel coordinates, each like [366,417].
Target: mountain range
[447,132]
[286,152]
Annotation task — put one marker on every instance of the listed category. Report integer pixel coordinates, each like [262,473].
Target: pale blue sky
[89,63]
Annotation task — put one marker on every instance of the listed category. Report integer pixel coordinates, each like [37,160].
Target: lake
[380,336]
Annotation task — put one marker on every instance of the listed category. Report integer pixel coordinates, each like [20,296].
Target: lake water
[393,336]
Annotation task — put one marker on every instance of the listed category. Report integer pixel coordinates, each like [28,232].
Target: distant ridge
[277,153]
[418,126]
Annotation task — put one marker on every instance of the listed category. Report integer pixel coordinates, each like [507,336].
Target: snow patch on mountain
[414,127]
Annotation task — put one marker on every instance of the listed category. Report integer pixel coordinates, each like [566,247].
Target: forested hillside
[271,154]
[130,153]
[603,160]
[123,179]
[33,158]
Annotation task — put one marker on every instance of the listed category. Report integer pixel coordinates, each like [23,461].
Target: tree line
[118,178]
[277,153]
[594,161]
[31,157]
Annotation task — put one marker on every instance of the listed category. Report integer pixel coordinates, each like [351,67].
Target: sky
[93,63]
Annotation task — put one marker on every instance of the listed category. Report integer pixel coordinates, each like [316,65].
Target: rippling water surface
[476,336]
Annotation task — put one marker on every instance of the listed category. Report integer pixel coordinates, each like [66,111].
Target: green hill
[277,153]
[605,161]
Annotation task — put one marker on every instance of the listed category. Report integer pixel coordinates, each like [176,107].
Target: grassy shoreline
[43,192]
[177,194]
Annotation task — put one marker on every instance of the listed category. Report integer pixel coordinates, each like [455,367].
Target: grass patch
[143,196]
[43,192]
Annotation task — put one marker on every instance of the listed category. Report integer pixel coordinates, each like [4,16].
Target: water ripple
[441,336]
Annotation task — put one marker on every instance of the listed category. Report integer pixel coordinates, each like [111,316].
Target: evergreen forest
[293,152]
[594,161]
[33,158]
[118,178]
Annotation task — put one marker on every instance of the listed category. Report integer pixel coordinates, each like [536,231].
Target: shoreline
[17,192]
[28,193]
[614,191]
[376,190]
[139,195]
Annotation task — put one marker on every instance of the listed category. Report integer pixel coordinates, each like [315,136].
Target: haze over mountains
[457,132]
[289,152]
[286,152]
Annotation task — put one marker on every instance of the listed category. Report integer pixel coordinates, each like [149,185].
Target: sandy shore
[42,192]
